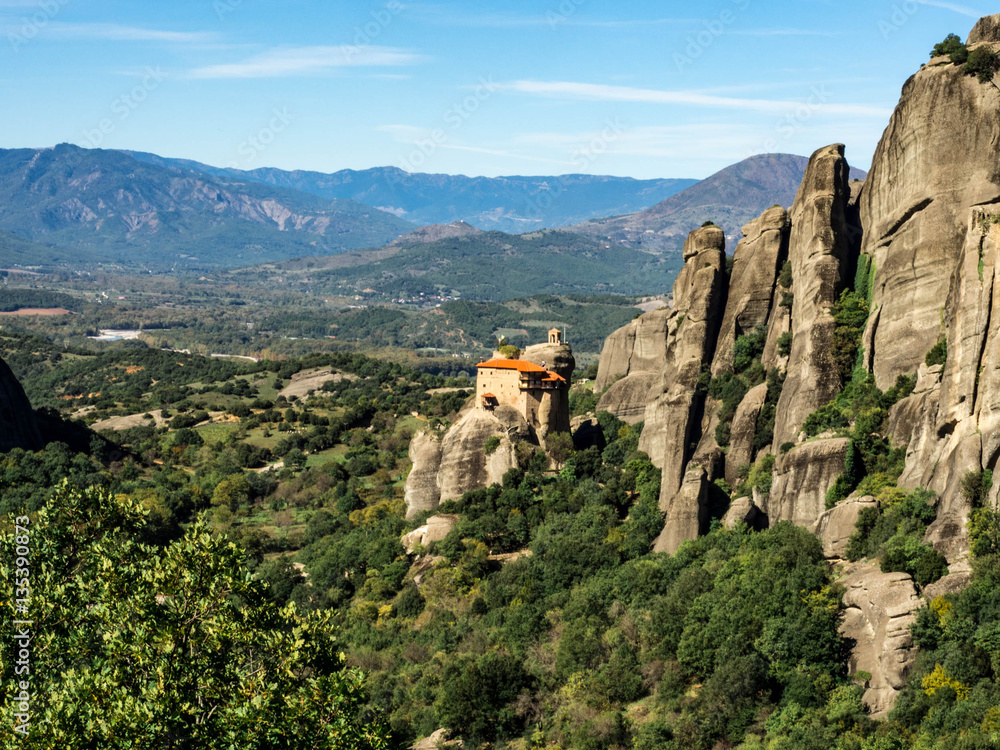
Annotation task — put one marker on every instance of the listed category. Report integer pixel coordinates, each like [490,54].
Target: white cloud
[961,9]
[607,93]
[117,32]
[292,61]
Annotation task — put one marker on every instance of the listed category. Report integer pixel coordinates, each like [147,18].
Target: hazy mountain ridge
[145,214]
[731,198]
[510,204]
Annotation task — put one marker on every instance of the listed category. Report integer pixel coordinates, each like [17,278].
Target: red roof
[512,364]
[489,395]
[523,366]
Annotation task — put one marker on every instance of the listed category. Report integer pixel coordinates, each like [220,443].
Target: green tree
[142,647]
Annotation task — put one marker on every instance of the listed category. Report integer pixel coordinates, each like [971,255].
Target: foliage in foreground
[143,647]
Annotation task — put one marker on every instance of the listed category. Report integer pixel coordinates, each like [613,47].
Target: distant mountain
[18,252]
[107,204]
[435,232]
[490,266]
[509,204]
[731,198]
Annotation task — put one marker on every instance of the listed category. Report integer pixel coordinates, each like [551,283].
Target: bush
[952,46]
[938,353]
[976,487]
[492,443]
[983,63]
[785,344]
[509,351]
[785,277]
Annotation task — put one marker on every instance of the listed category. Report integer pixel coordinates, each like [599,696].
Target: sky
[628,88]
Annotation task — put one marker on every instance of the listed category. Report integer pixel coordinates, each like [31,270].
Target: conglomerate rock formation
[922,234]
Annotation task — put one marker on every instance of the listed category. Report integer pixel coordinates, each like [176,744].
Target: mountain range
[108,204]
[730,198]
[509,204]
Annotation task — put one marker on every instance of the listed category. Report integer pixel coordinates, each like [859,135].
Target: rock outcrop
[555,357]
[18,426]
[756,262]
[630,364]
[686,511]
[922,233]
[436,529]
[880,608]
[835,527]
[445,468]
[742,432]
[673,410]
[819,249]
[801,479]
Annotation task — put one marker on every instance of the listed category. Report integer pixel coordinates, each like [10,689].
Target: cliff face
[820,255]
[18,426]
[924,230]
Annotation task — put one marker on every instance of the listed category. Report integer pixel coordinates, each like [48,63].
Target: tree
[142,647]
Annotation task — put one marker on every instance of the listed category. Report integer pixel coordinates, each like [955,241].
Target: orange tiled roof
[523,366]
[489,395]
[512,364]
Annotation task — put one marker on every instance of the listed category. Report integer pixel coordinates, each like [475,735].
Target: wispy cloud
[294,61]
[781,32]
[603,92]
[961,9]
[118,32]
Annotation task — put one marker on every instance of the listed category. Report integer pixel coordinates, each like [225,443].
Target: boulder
[18,425]
[835,526]
[757,260]
[436,529]
[820,250]
[879,610]
[586,433]
[743,510]
[801,479]
[742,432]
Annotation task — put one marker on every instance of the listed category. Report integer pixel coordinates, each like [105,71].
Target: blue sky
[628,88]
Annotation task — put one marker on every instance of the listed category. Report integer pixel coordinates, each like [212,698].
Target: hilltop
[731,197]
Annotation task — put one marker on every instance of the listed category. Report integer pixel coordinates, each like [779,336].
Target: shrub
[492,443]
[509,351]
[983,63]
[785,276]
[785,344]
[976,487]
[938,353]
[785,447]
[952,46]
